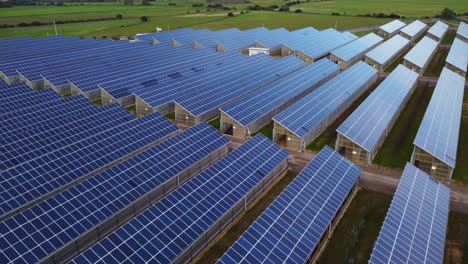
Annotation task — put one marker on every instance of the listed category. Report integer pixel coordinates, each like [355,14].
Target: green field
[398,145]
[437,63]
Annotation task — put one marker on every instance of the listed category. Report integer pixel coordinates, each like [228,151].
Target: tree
[144,19]
[119,16]
[298,11]
[448,14]
[230,14]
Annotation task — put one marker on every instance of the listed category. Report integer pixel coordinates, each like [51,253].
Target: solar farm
[86,180]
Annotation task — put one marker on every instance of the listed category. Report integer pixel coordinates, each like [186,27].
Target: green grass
[131,109]
[413,8]
[216,123]
[170,116]
[98,102]
[449,37]
[328,137]
[461,170]
[267,131]
[437,64]
[353,238]
[218,249]
[365,32]
[398,146]
[395,64]
[456,245]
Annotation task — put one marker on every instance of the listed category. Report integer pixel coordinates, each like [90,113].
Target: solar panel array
[414,28]
[169,228]
[372,120]
[421,54]
[355,49]
[308,113]
[458,55]
[25,183]
[211,97]
[83,209]
[383,53]
[392,26]
[276,96]
[438,30]
[292,227]
[416,223]
[439,129]
[463,30]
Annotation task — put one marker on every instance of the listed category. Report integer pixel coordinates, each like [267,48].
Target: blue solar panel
[23,184]
[439,130]
[372,120]
[292,227]
[167,229]
[33,143]
[275,96]
[306,114]
[82,209]
[416,223]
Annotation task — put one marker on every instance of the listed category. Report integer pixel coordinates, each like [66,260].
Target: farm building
[387,52]
[307,210]
[457,58]
[436,143]
[415,228]
[413,30]
[391,29]
[437,31]
[363,132]
[419,57]
[296,126]
[354,51]
[462,32]
[248,114]
[203,103]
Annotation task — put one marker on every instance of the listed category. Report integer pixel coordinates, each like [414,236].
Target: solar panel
[458,55]
[438,30]
[276,96]
[414,28]
[174,229]
[393,26]
[386,51]
[463,30]
[355,49]
[24,184]
[369,124]
[439,129]
[416,223]
[327,101]
[421,54]
[81,212]
[292,227]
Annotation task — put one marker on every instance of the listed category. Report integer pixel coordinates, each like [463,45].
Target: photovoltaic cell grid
[198,102]
[438,29]
[387,50]
[416,223]
[393,26]
[439,129]
[463,30]
[355,48]
[414,28]
[28,181]
[458,55]
[422,52]
[291,228]
[310,111]
[31,235]
[371,120]
[40,141]
[265,100]
[169,227]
